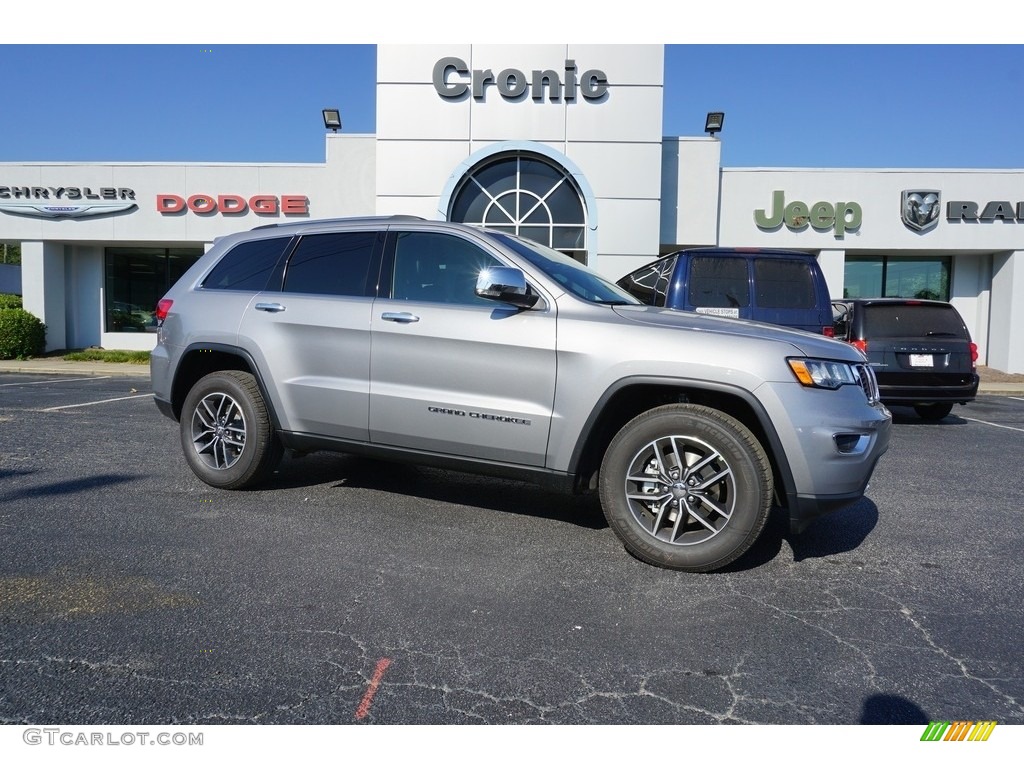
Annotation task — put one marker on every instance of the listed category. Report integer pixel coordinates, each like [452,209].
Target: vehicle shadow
[833,534]
[448,486]
[904,414]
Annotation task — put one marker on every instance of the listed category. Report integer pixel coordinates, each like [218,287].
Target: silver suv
[453,346]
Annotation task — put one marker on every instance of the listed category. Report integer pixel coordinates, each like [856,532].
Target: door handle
[400,317]
[270,307]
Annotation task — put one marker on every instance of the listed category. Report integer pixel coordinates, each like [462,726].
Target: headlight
[827,374]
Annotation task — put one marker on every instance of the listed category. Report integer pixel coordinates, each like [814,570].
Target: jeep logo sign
[841,217]
[453,78]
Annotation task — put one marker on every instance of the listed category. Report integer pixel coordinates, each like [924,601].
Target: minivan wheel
[686,487]
[933,411]
[226,432]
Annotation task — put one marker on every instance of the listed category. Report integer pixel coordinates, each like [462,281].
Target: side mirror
[506,284]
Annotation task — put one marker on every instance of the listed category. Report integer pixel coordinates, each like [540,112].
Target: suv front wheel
[686,487]
[226,432]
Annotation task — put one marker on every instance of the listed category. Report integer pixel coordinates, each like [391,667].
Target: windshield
[577,279]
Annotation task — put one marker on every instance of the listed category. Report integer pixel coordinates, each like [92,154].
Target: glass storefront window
[136,279]
[907,277]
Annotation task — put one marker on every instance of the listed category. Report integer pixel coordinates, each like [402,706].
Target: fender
[235,351]
[776,454]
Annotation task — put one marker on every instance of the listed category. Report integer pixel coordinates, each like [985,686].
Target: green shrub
[22,334]
[10,301]
[110,356]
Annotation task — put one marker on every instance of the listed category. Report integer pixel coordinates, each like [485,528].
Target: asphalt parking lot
[355,591]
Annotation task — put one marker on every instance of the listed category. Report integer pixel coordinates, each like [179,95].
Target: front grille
[866,378]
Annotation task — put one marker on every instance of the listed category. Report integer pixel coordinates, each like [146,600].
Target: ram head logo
[920,209]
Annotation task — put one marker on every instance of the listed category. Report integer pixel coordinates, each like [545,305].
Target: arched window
[526,195]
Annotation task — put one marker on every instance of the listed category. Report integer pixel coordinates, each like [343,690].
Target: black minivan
[772,286]
[920,350]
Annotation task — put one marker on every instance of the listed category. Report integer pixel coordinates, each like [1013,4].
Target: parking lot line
[50,381]
[95,402]
[1001,426]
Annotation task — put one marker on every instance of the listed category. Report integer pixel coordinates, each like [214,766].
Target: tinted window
[336,264]
[247,266]
[650,283]
[911,320]
[784,284]
[438,267]
[718,282]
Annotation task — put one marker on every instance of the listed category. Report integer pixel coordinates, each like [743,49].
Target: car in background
[920,350]
[780,287]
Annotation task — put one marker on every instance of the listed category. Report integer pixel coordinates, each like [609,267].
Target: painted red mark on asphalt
[378,674]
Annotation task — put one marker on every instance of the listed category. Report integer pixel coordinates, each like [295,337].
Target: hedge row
[10,301]
[22,334]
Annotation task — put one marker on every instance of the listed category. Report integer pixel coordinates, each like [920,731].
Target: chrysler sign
[66,202]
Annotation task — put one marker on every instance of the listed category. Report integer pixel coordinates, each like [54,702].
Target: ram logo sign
[920,208]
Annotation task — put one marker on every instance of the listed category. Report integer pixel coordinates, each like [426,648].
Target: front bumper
[832,441]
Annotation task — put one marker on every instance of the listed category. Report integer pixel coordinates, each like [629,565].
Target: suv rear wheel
[226,432]
[686,487]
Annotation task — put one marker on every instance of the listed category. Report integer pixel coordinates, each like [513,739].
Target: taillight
[162,308]
[861,345]
[974,354]
[828,330]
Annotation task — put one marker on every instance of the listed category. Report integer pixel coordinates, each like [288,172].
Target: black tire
[933,411]
[717,472]
[226,432]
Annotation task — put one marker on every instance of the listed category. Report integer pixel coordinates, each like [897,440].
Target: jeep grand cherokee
[454,346]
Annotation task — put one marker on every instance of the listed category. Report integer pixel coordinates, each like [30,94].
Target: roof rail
[340,220]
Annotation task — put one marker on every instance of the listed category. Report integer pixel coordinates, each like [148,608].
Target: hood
[808,344]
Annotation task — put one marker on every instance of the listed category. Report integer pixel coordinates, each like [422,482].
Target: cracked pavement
[131,593]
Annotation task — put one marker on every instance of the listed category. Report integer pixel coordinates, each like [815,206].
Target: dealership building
[559,143]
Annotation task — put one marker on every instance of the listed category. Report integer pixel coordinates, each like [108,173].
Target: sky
[858,99]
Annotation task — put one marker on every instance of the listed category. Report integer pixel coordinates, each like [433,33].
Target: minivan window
[911,320]
[334,264]
[784,284]
[650,284]
[718,282]
[247,266]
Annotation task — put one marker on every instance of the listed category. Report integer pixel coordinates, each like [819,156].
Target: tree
[10,253]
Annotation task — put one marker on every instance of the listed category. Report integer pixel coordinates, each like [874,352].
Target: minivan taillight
[860,344]
[974,354]
[162,308]
[828,330]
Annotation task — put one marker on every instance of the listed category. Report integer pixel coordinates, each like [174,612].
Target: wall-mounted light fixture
[332,119]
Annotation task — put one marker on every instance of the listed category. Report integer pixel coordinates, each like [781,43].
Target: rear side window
[650,283]
[784,284]
[912,320]
[247,266]
[333,264]
[718,282]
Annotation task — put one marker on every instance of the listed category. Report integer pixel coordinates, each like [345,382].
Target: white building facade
[560,143]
